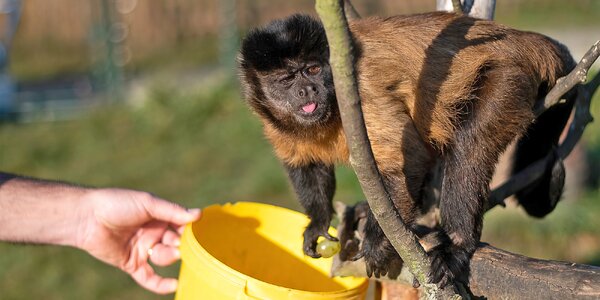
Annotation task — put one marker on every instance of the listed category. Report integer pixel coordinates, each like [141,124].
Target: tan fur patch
[328,146]
[431,66]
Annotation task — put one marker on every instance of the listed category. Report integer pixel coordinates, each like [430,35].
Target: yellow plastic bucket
[254,251]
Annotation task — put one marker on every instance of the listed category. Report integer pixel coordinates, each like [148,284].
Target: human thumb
[167,211]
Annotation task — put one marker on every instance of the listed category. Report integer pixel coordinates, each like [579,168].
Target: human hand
[126,228]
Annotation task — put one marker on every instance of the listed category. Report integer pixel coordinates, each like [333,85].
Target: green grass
[47,59]
[549,13]
[570,233]
[41,60]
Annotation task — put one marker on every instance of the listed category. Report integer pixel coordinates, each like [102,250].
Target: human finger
[164,255]
[148,279]
[171,238]
[180,229]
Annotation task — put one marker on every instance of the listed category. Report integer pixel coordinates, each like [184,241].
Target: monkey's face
[286,76]
[302,93]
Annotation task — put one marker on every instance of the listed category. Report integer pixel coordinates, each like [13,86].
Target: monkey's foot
[311,235]
[380,258]
[449,263]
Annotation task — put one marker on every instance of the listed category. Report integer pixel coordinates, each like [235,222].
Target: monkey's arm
[314,185]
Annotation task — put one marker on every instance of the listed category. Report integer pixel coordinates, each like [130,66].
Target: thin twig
[565,84]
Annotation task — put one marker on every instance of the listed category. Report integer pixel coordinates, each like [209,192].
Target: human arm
[116,226]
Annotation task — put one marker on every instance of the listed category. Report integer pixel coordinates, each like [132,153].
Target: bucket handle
[243,295]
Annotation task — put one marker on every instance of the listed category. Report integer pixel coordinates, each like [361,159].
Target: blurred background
[144,95]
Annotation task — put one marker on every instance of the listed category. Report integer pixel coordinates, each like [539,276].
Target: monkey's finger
[383,272]
[312,253]
[330,237]
[377,272]
[310,247]
[163,255]
[369,271]
[358,256]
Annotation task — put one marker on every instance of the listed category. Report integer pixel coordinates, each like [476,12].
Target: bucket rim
[189,242]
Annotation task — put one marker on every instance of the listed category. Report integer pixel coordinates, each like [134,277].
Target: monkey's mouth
[309,107]
[312,112]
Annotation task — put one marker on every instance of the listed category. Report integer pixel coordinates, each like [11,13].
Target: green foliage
[591,139]
[549,13]
[592,132]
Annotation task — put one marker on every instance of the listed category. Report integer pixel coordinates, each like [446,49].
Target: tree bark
[498,274]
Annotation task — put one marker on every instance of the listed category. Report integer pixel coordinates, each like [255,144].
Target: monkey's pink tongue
[308,108]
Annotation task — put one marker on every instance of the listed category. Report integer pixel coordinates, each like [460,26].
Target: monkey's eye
[313,70]
[286,78]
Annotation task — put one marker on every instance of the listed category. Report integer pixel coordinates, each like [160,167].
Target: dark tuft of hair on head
[298,36]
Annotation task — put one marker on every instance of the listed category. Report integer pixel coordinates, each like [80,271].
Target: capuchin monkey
[435,87]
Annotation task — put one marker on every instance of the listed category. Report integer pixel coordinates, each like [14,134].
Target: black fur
[267,48]
[378,252]
[299,38]
[541,140]
[315,186]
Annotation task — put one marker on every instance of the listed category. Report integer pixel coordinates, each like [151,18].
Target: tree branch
[566,83]
[361,156]
[494,273]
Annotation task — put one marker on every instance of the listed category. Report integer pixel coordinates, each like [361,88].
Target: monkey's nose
[308,90]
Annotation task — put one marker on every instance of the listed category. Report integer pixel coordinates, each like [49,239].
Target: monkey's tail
[541,140]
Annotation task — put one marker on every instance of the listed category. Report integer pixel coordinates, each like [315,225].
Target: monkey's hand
[312,234]
[449,263]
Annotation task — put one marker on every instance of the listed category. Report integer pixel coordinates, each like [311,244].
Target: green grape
[328,248]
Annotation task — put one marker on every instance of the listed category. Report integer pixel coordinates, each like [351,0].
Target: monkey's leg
[500,111]
[314,185]
[403,161]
